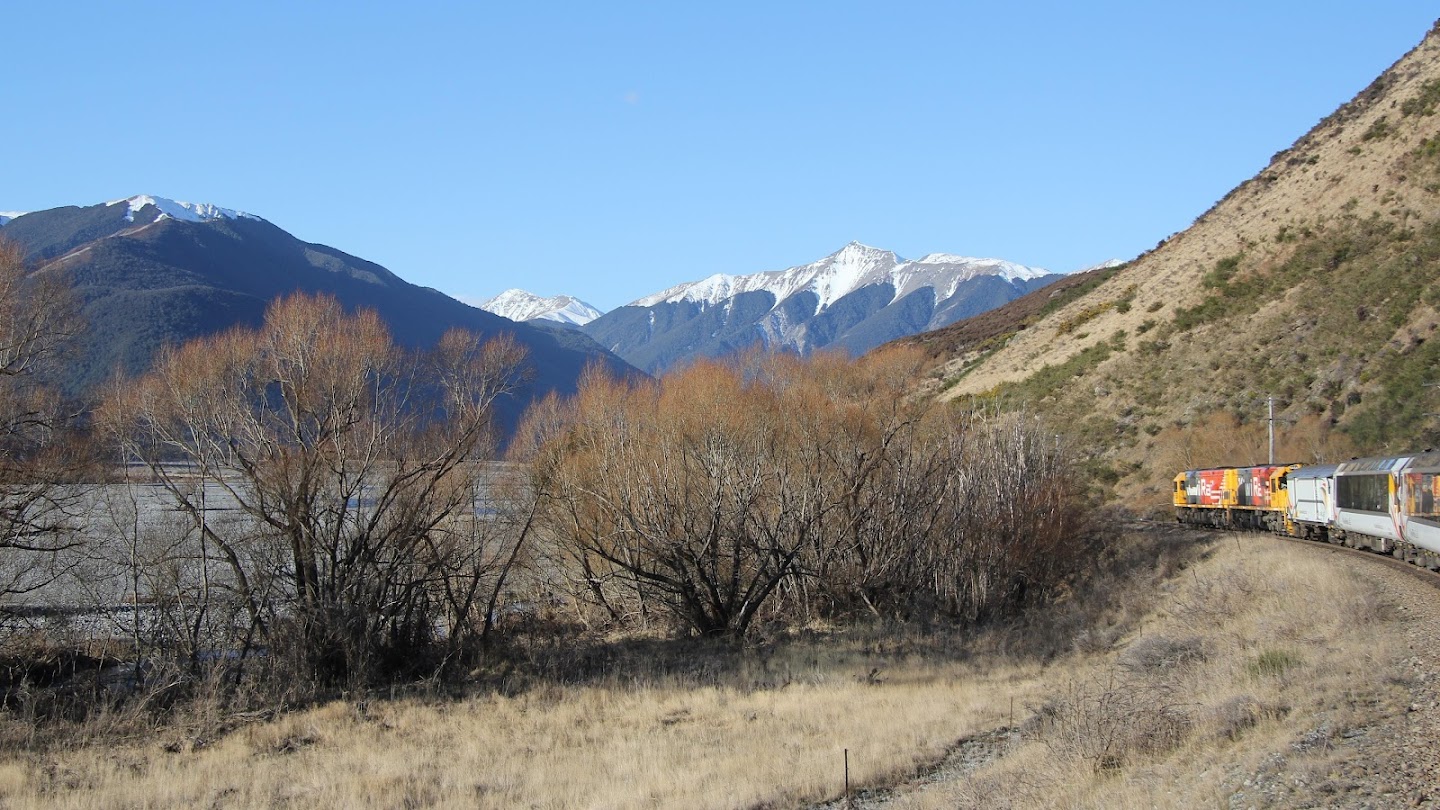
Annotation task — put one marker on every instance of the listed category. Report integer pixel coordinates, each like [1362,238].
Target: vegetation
[306,510]
[1425,103]
[1380,129]
[789,490]
[354,469]
[1050,378]
[1136,692]
[37,520]
[1078,291]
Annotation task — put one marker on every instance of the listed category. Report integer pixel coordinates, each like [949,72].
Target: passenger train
[1389,505]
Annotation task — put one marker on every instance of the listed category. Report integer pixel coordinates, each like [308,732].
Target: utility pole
[1270,426]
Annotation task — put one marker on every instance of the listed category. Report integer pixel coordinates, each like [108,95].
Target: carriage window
[1421,494]
[1366,493]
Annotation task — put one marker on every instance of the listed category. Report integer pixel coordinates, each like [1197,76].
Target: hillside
[1316,281]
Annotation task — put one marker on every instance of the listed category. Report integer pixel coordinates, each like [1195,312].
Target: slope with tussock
[1315,281]
[1273,676]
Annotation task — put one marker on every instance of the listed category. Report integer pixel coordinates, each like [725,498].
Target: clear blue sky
[611,149]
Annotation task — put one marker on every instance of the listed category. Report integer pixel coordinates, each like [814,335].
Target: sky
[609,150]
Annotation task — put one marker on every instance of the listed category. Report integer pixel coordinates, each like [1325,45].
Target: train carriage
[1418,494]
[1390,505]
[1367,507]
[1311,506]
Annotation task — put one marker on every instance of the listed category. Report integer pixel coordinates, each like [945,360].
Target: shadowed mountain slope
[152,272]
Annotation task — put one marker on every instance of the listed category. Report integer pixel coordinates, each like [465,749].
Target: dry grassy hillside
[1315,281]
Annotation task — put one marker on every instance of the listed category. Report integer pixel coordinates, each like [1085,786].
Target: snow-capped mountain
[843,272]
[184,211]
[854,299]
[519,305]
[147,209]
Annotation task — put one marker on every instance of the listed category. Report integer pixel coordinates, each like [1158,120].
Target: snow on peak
[846,270]
[185,211]
[6,216]
[519,305]
[1105,265]
[831,279]
[1010,271]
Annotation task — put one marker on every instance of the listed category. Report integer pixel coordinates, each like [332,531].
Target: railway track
[1431,578]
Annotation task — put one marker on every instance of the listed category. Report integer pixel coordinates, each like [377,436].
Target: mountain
[1316,282]
[519,305]
[151,271]
[854,299]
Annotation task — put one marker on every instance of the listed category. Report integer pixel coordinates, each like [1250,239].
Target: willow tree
[788,489]
[356,467]
[682,496]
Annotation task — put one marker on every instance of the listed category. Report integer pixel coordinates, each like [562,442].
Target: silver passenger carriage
[1366,503]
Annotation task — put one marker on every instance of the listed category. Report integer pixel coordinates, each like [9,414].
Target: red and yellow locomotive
[1234,497]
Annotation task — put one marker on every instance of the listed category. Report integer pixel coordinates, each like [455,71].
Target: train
[1390,505]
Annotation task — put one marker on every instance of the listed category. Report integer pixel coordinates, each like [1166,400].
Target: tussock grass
[1262,650]
[589,746]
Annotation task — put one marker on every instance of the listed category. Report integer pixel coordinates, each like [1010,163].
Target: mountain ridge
[836,275]
[853,299]
[155,272]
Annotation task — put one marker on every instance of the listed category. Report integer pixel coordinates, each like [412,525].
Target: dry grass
[587,746]
[1263,650]
[1200,670]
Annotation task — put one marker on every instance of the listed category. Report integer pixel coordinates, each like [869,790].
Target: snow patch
[1105,265]
[519,305]
[175,209]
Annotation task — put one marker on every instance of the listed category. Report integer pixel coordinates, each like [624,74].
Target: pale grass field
[581,747]
[726,747]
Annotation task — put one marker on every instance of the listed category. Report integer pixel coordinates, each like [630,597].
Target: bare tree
[357,466]
[682,493]
[38,461]
[784,488]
